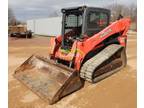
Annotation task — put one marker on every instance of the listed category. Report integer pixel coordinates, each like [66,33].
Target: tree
[11,17]
[126,11]
[133,12]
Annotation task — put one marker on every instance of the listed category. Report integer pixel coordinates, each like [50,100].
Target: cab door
[96,19]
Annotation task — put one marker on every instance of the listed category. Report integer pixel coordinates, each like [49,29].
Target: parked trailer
[45,26]
[19,31]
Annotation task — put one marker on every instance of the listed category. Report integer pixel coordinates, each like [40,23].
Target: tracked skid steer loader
[89,49]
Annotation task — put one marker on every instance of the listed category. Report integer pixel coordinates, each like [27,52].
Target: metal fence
[46,26]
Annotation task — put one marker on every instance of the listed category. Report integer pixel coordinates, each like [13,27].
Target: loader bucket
[47,79]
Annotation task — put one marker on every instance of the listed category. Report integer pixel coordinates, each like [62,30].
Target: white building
[46,26]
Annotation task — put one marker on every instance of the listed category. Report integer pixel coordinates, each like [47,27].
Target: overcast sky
[32,9]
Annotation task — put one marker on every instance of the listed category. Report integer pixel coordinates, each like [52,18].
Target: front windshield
[73,25]
[73,21]
[72,28]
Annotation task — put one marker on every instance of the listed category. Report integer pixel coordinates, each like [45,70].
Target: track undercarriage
[104,64]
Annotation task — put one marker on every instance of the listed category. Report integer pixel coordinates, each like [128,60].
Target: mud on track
[117,91]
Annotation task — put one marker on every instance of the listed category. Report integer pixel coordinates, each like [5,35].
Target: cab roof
[82,8]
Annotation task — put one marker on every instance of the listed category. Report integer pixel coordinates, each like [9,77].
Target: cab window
[97,19]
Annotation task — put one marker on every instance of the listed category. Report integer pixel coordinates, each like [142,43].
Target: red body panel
[81,48]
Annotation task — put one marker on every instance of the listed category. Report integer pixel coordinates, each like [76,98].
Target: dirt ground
[117,91]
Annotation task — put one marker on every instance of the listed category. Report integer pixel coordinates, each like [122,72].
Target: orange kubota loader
[89,49]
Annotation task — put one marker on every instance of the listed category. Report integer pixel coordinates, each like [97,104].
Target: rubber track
[89,66]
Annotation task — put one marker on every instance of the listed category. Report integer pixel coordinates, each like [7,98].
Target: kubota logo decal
[105,33]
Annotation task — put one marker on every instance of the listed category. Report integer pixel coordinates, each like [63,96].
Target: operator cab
[79,22]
